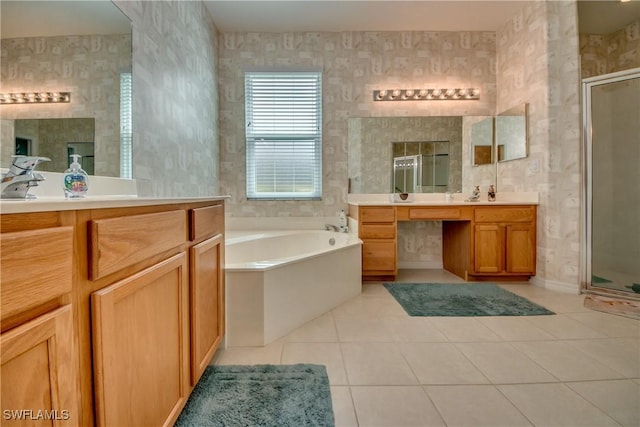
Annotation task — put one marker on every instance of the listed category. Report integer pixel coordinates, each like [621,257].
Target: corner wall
[175,97]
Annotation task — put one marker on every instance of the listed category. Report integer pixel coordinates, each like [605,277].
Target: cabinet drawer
[378,214]
[119,242]
[508,214]
[434,213]
[36,267]
[206,222]
[377,231]
[379,255]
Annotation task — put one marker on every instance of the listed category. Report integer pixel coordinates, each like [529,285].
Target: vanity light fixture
[34,98]
[426,94]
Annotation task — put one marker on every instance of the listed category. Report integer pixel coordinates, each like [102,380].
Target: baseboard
[418,265]
[567,288]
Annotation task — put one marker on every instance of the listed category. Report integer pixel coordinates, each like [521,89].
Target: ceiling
[49,18]
[597,17]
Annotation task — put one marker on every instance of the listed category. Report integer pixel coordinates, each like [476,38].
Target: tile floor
[576,368]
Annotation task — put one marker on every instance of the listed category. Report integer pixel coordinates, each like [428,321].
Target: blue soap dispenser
[75,180]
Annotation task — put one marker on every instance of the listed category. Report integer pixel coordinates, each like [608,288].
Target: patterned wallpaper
[87,66]
[175,97]
[608,53]
[538,63]
[353,65]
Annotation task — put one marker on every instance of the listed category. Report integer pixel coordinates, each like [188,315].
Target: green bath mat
[466,299]
[598,279]
[260,395]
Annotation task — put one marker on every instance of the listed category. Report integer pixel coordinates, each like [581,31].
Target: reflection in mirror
[482,142]
[371,150]
[420,167]
[511,133]
[56,139]
[81,47]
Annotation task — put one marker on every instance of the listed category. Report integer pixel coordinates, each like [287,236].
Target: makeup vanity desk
[480,240]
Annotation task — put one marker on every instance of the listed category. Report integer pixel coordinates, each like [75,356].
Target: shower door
[612,163]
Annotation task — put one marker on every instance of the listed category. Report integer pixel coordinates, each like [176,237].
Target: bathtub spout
[330,227]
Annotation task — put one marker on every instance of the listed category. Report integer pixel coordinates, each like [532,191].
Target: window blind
[283,121]
[126,131]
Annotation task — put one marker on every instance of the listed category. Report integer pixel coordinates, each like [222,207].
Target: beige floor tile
[564,327]
[514,328]
[343,412]
[412,329]
[374,289]
[475,405]
[328,354]
[555,405]
[427,276]
[270,354]
[464,329]
[322,329]
[372,306]
[394,407]
[609,324]
[562,360]
[376,364]
[503,364]
[362,329]
[620,399]
[619,354]
[561,303]
[441,363]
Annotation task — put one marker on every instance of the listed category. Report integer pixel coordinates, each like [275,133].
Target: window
[283,122]
[126,133]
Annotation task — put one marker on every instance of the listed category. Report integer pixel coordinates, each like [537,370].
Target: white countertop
[438,199]
[44,204]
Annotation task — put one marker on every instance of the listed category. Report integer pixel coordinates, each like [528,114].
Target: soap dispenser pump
[75,180]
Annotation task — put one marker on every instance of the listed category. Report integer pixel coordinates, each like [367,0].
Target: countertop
[438,199]
[43,204]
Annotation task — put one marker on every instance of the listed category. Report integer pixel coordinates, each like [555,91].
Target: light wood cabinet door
[141,346]
[520,248]
[207,302]
[378,257]
[39,372]
[488,248]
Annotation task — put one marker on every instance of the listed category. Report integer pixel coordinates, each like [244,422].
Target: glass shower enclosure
[611,129]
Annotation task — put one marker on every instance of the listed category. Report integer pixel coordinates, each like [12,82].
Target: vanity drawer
[119,242]
[36,267]
[206,221]
[377,231]
[377,214]
[506,214]
[434,213]
[378,255]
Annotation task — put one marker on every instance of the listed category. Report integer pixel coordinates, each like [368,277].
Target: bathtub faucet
[330,227]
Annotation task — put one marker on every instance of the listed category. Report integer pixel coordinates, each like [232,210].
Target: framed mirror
[81,47]
[511,134]
[482,142]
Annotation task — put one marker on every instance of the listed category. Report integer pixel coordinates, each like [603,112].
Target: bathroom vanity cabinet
[133,302]
[481,242]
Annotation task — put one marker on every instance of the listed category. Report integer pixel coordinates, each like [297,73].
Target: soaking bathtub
[278,280]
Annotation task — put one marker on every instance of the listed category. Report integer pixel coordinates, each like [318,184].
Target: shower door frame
[587,177]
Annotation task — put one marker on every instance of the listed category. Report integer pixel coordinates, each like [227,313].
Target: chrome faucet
[21,177]
[330,227]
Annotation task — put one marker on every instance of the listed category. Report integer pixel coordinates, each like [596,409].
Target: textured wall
[175,121]
[538,63]
[353,65]
[608,53]
[87,66]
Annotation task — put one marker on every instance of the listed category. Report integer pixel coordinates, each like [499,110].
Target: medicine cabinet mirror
[511,133]
[482,142]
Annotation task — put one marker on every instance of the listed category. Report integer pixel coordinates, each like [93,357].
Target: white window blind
[284,135]
[126,132]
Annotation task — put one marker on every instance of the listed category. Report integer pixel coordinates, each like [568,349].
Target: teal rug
[465,299]
[598,279]
[260,395]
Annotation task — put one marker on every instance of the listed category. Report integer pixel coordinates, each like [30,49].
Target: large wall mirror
[482,142]
[414,154]
[82,47]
